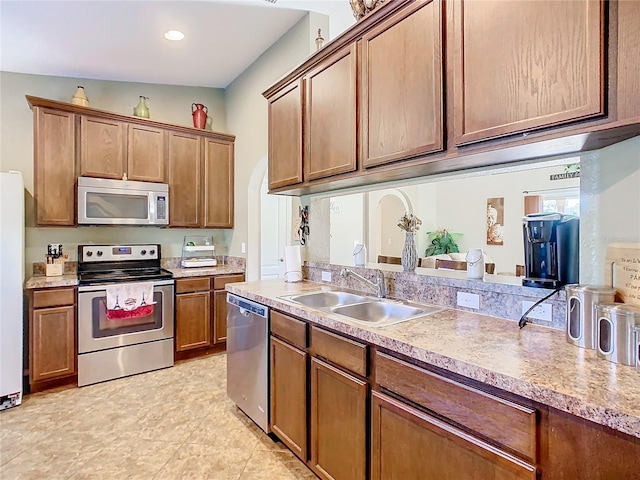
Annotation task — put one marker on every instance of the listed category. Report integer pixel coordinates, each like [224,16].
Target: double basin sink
[372,311]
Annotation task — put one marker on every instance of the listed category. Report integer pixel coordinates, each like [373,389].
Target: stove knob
[99,253]
[152,252]
[89,253]
[143,252]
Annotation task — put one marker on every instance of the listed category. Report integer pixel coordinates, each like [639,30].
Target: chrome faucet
[379,286]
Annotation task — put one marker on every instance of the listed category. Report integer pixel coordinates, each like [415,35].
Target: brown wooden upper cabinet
[218,184]
[112,148]
[526,65]
[54,167]
[184,165]
[401,79]
[200,181]
[285,136]
[330,115]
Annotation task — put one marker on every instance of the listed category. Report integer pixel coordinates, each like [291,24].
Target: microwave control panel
[161,207]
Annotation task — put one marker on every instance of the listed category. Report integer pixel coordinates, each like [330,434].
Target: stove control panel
[110,253]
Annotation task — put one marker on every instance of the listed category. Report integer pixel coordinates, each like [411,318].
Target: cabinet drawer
[292,330]
[193,284]
[220,282]
[54,297]
[505,422]
[339,350]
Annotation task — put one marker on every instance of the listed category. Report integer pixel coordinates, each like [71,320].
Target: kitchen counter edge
[622,417]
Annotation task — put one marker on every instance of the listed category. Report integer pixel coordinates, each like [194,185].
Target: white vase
[409,256]
[80,98]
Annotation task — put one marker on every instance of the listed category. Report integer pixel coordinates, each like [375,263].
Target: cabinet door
[53,343]
[525,65]
[193,321]
[219,317]
[330,116]
[289,396]
[408,444]
[285,136]
[218,184]
[145,154]
[338,423]
[54,167]
[102,148]
[184,180]
[402,86]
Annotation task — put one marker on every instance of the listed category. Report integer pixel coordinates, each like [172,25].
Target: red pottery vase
[199,115]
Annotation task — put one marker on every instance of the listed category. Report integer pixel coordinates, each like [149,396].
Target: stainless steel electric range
[120,331]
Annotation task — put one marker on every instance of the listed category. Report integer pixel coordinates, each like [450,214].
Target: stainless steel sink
[372,311]
[381,313]
[326,299]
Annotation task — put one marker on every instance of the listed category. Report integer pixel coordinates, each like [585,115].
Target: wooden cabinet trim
[77,109]
[53,297]
[187,285]
[435,100]
[518,468]
[220,281]
[342,351]
[595,77]
[507,423]
[289,329]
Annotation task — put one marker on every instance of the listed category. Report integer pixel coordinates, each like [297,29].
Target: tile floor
[175,423]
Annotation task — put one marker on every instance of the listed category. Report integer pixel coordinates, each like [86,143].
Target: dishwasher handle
[247,306]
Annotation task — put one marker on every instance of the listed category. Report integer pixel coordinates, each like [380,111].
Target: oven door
[97,332]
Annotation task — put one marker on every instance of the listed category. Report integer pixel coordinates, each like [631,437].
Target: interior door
[275,221]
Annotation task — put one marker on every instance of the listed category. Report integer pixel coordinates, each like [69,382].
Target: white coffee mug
[475,263]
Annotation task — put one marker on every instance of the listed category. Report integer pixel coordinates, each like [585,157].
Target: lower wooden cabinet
[52,337]
[201,313]
[289,396]
[338,423]
[409,444]
[193,320]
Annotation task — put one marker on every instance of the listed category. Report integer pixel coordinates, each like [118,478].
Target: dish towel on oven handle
[129,300]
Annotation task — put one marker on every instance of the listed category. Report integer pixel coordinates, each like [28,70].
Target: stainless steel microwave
[122,202]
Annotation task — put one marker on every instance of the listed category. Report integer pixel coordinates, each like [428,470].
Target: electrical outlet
[543,312]
[326,276]
[244,247]
[468,300]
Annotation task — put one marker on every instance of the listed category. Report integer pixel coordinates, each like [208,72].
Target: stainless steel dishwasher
[248,358]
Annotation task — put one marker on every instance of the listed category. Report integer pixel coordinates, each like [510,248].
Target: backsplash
[70,268]
[503,299]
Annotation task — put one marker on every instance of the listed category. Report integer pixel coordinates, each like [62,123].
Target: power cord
[523,318]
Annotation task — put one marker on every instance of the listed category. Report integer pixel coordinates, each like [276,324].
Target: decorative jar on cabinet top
[80,98]
[199,112]
[142,109]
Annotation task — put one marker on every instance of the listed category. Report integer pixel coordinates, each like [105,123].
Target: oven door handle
[101,287]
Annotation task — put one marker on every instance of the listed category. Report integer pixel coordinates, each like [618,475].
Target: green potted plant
[441,241]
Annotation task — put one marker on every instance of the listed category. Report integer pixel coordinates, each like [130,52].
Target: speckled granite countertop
[72,279]
[535,362]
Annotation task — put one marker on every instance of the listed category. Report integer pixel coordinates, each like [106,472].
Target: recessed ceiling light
[174,35]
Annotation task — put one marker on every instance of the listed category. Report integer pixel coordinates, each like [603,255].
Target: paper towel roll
[292,263]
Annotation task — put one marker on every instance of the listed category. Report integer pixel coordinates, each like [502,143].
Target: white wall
[167,103]
[345,227]
[609,203]
[247,118]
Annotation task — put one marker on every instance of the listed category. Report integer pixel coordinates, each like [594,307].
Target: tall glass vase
[409,256]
